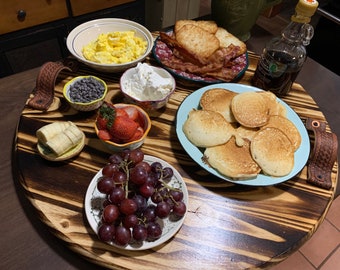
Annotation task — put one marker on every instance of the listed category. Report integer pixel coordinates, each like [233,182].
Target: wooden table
[228,226]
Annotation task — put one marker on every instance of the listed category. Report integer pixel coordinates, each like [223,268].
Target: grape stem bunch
[138,194]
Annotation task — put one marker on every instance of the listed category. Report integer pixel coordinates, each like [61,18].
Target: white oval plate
[94,201]
[192,101]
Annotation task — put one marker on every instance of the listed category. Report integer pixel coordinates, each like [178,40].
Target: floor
[322,251]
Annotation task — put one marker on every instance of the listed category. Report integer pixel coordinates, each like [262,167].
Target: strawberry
[138,134]
[121,112]
[116,140]
[103,134]
[106,114]
[101,122]
[132,112]
[140,120]
[123,128]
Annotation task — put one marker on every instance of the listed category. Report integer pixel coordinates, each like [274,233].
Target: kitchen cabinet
[79,8]
[34,32]
[16,14]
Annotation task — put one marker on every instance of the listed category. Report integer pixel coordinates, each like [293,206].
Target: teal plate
[192,102]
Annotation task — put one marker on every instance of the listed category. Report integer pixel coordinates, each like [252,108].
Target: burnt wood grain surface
[228,226]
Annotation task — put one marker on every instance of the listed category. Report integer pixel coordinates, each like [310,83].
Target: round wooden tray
[227,225]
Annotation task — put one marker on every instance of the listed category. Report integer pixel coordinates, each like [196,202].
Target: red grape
[110,169]
[130,221]
[179,209]
[128,182]
[156,166]
[105,184]
[125,154]
[167,173]
[144,164]
[154,231]
[128,206]
[156,197]
[139,232]
[149,213]
[110,213]
[170,202]
[138,175]
[136,156]
[152,179]
[119,177]
[115,159]
[162,209]
[140,201]
[116,195]
[177,195]
[146,190]
[122,236]
[106,232]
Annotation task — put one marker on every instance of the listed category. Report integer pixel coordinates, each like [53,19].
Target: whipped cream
[146,84]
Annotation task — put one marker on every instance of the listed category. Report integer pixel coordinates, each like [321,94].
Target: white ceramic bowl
[147,104]
[87,32]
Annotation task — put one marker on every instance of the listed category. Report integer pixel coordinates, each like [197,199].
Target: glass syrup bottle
[284,56]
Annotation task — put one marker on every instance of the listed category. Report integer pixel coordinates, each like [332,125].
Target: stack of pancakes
[243,134]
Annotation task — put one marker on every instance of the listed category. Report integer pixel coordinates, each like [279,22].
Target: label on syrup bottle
[276,72]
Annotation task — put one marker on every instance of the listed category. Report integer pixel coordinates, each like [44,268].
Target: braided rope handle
[45,83]
[323,155]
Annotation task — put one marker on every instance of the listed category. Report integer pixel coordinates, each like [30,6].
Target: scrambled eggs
[115,48]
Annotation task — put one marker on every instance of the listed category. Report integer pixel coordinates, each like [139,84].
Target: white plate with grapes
[136,201]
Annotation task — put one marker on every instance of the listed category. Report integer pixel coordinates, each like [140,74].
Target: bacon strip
[178,50]
[218,65]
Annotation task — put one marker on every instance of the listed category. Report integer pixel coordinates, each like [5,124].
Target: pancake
[232,161]
[275,107]
[250,109]
[287,127]
[242,133]
[219,100]
[207,128]
[273,151]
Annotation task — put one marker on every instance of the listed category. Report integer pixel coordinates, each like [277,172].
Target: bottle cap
[306,7]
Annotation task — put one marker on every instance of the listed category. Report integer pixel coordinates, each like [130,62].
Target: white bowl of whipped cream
[147,86]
